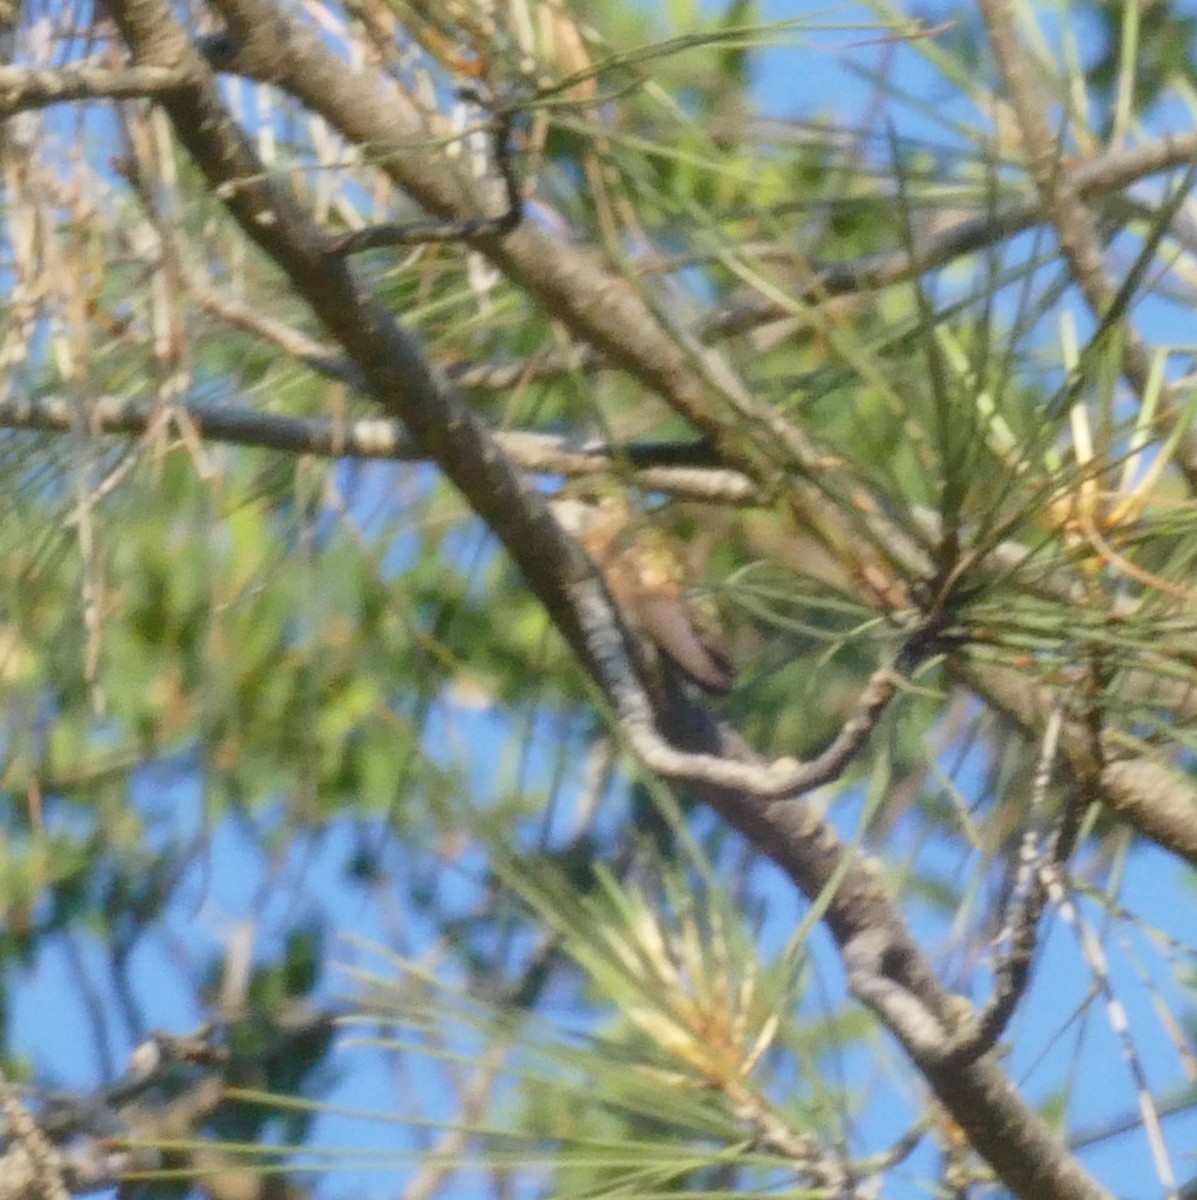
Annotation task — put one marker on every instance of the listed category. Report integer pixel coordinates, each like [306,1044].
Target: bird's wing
[669,625]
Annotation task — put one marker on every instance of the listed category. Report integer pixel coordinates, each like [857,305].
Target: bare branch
[1091,179]
[30,1166]
[24,88]
[650,466]
[1013,972]
[442,427]
[1153,797]
[595,304]
[1074,225]
[885,966]
[415,233]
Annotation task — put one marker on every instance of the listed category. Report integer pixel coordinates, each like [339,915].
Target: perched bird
[647,580]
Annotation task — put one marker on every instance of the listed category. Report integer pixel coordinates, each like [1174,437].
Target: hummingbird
[646,578]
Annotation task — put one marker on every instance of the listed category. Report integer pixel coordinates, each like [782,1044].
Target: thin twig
[415,233]
[677,468]
[1013,972]
[1091,179]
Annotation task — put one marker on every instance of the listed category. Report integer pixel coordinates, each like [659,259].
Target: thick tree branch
[1150,795]
[596,305]
[442,427]
[877,948]
[27,87]
[888,972]
[393,368]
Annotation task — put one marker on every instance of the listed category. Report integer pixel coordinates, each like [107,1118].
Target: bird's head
[592,508]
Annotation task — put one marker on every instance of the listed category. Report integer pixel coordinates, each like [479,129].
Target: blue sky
[50,1026]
